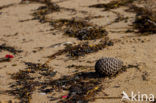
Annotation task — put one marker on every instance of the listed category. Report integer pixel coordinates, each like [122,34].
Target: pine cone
[108,66]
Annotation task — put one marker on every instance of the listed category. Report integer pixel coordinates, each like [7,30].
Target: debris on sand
[113,4]
[41,12]
[80,29]
[61,44]
[26,82]
[83,49]
[9,49]
[145,21]
[74,23]
[7,58]
[81,87]
[87,33]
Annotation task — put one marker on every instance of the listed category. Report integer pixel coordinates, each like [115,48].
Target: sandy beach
[34,39]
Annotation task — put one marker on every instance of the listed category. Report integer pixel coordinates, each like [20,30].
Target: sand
[30,35]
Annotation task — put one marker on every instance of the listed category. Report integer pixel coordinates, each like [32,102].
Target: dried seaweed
[9,48]
[25,83]
[73,23]
[82,49]
[145,20]
[113,4]
[41,12]
[82,92]
[85,48]
[87,33]
[74,28]
[80,29]
[81,86]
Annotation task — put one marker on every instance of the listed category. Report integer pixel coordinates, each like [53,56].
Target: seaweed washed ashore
[77,28]
[39,77]
[82,49]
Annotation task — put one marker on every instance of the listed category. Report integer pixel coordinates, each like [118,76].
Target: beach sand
[31,35]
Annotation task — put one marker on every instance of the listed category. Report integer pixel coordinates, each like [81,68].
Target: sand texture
[37,38]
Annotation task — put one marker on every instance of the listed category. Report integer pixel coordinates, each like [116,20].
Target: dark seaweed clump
[74,28]
[9,49]
[113,4]
[88,33]
[81,86]
[83,49]
[25,83]
[145,21]
[73,23]
[80,29]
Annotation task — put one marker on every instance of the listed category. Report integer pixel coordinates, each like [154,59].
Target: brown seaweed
[87,33]
[9,48]
[113,4]
[25,83]
[80,29]
[82,49]
[81,86]
[145,20]
[73,23]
